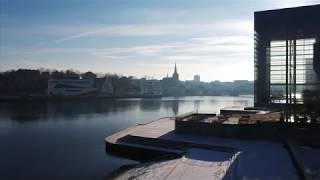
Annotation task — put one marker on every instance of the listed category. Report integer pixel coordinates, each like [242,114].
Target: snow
[194,165]
[155,129]
[309,159]
[257,159]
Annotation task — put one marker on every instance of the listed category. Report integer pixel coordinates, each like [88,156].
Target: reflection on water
[65,139]
[33,111]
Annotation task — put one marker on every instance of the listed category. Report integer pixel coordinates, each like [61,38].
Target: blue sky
[134,37]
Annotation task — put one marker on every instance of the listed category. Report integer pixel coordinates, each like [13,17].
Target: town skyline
[103,74]
[134,38]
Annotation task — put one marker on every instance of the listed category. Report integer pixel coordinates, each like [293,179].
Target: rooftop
[199,154]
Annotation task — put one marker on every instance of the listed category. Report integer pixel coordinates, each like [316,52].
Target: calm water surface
[62,140]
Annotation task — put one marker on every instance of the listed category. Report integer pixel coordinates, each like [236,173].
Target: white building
[151,88]
[70,87]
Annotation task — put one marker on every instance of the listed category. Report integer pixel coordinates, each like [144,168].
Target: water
[62,140]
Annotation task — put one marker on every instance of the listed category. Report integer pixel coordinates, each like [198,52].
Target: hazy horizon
[134,38]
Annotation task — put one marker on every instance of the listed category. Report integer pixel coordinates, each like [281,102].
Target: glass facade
[291,69]
[287,56]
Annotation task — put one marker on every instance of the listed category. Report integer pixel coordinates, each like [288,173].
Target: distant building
[70,87]
[287,59]
[175,75]
[104,87]
[196,78]
[241,81]
[171,86]
[151,88]
[107,88]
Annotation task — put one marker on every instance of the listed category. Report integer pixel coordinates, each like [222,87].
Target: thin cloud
[195,49]
[225,26]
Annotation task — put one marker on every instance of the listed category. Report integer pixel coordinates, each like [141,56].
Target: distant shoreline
[64,98]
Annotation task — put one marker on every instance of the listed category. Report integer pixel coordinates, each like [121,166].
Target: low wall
[270,131]
[138,153]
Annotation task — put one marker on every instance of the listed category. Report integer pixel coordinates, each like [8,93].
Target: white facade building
[70,87]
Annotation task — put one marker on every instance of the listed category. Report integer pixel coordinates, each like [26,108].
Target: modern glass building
[287,48]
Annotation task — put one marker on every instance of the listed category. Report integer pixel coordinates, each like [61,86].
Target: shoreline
[74,98]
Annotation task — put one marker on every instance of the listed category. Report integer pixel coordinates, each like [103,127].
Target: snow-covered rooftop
[256,159]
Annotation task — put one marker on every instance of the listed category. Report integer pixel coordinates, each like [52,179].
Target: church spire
[175,74]
[175,68]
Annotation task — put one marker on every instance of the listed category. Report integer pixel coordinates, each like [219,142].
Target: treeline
[26,82]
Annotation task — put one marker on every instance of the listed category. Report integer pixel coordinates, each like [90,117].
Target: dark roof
[309,7]
[299,20]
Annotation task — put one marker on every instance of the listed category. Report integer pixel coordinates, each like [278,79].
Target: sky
[212,38]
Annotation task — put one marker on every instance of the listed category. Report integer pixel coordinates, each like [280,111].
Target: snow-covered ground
[196,164]
[254,160]
[309,159]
